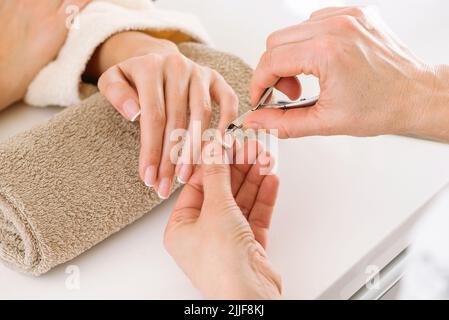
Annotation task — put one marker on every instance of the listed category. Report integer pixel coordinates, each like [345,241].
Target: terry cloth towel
[69,184]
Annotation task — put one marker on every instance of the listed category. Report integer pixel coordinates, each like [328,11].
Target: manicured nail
[131,110]
[150,176]
[164,188]
[184,174]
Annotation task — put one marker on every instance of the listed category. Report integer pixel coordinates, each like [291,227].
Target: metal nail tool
[262,104]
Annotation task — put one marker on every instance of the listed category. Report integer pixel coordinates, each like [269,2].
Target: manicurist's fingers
[262,211]
[291,87]
[285,61]
[191,195]
[297,33]
[176,99]
[244,158]
[248,191]
[294,123]
[116,88]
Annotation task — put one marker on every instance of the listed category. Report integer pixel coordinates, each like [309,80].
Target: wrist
[428,115]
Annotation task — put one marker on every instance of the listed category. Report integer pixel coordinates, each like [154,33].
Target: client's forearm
[123,46]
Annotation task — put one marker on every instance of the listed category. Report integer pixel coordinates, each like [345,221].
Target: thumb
[216,175]
[293,123]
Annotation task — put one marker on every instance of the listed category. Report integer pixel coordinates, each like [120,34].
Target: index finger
[285,61]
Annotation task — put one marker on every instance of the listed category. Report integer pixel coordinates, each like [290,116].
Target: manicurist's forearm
[123,46]
[431,116]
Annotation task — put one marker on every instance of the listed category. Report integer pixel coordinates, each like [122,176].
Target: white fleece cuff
[59,82]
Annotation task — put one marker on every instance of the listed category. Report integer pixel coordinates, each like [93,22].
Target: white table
[345,204]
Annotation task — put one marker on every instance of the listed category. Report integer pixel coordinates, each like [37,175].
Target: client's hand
[149,78]
[218,231]
[32,33]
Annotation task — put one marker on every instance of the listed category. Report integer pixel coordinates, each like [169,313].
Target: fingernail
[184,174]
[228,140]
[131,110]
[150,176]
[164,188]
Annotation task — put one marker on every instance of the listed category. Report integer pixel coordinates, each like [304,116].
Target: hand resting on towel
[149,79]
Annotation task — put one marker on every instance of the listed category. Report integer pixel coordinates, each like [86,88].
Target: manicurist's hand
[371,84]
[161,87]
[217,233]
[32,33]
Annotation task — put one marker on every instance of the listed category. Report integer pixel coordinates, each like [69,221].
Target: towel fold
[69,184]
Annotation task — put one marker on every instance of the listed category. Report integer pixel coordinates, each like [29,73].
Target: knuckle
[179,119]
[205,105]
[158,117]
[150,59]
[167,168]
[232,98]
[176,60]
[272,40]
[345,23]
[232,103]
[357,12]
[216,75]
[104,82]
[153,155]
[139,66]
[198,71]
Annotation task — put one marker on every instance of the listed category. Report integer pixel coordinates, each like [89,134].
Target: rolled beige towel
[69,184]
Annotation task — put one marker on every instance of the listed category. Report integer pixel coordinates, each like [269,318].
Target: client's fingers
[216,176]
[176,99]
[200,104]
[115,87]
[226,99]
[149,83]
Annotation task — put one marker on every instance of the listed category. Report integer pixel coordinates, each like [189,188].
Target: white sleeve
[59,83]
